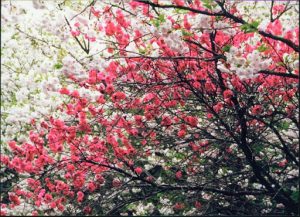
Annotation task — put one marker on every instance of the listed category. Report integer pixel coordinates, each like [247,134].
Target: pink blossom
[138,170]
[80,196]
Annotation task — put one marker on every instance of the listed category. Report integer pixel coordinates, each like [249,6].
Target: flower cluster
[146,108]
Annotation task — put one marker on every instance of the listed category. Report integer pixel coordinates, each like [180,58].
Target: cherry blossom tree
[160,108]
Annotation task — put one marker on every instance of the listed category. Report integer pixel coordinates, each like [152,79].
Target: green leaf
[218,18]
[208,4]
[286,59]
[179,155]
[284,125]
[258,148]
[142,51]
[159,194]
[58,66]
[262,48]
[255,24]
[226,48]
[280,64]
[181,11]
[161,18]
[186,33]
[155,22]
[15,36]
[131,206]
[250,27]
[295,196]
[61,54]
